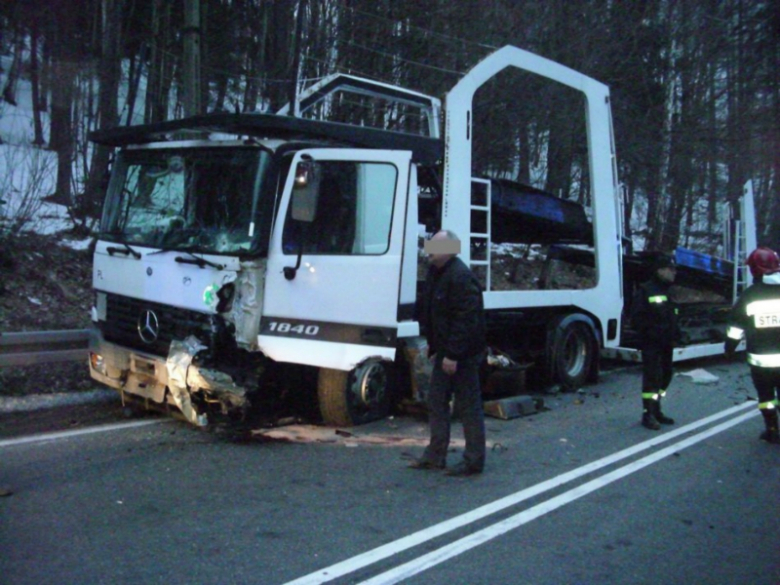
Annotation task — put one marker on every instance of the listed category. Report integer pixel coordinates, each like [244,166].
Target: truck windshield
[185,198]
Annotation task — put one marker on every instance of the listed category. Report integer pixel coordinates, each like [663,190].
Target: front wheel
[574,351]
[357,397]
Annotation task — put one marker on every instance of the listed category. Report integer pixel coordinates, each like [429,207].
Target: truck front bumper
[173,379]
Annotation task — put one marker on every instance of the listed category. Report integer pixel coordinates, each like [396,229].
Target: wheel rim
[370,385]
[575,353]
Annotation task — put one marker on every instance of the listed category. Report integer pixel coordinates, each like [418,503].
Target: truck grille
[122,324]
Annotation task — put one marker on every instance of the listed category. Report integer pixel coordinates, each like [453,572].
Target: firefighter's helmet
[763,261]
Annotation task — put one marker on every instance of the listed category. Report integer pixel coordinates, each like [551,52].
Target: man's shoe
[462,469]
[650,422]
[424,464]
[772,437]
[5,492]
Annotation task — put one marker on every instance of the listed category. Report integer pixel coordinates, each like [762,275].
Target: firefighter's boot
[771,434]
[648,415]
[660,416]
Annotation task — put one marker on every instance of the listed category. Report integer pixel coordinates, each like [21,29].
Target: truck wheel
[356,397]
[574,350]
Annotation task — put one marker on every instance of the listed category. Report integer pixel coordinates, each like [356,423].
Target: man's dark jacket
[654,315]
[453,316]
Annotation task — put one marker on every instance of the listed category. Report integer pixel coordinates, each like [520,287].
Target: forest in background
[695,86]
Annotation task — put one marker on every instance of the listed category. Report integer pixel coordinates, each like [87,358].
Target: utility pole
[191,69]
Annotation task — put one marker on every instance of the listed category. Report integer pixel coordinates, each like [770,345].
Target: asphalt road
[578,494]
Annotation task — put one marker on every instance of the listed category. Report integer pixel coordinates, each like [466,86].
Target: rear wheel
[574,351]
[356,397]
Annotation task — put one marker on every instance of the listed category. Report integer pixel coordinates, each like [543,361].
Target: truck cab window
[198,198]
[354,211]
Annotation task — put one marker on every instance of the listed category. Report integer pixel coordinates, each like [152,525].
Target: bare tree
[88,204]
[162,59]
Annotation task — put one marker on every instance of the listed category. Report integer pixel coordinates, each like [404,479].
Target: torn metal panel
[219,385]
[248,302]
[178,363]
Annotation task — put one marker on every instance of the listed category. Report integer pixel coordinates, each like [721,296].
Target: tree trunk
[161,68]
[133,79]
[107,110]
[9,90]
[35,84]
[63,75]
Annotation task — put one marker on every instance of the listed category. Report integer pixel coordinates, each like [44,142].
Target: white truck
[250,260]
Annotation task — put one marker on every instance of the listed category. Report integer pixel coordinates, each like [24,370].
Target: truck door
[332,284]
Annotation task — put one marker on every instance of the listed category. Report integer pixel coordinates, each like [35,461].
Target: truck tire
[353,398]
[574,350]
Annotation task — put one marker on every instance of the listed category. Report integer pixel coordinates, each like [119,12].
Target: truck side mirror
[306,191]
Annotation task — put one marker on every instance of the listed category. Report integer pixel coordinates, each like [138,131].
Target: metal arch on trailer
[605,300]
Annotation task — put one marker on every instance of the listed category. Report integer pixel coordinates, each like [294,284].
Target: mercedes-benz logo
[148,326]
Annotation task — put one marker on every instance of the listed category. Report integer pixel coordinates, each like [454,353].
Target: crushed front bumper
[174,380]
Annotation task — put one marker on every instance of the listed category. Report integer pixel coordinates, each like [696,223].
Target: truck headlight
[97,362]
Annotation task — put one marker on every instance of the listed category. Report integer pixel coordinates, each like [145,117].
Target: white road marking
[387,550]
[465,544]
[76,433]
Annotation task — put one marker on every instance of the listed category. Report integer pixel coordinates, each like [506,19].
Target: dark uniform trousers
[656,371]
[767,383]
[464,386]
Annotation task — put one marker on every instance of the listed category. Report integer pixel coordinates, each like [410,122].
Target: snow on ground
[28,173]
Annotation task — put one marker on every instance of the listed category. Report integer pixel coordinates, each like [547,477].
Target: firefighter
[756,315]
[654,317]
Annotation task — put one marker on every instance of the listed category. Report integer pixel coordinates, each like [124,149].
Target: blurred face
[667,273]
[440,249]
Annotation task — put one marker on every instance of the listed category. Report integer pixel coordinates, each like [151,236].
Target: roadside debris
[701,376]
[513,407]
[314,434]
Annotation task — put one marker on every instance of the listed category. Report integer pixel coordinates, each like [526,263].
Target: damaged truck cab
[220,258]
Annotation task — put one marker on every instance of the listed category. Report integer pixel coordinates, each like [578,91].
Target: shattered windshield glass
[203,198]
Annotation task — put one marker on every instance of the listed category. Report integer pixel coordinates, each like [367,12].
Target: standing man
[757,315]
[654,317]
[453,321]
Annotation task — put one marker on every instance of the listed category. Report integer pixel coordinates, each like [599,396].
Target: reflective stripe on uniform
[661,393]
[765,360]
[657,299]
[649,396]
[771,405]
[734,332]
[756,307]
[766,314]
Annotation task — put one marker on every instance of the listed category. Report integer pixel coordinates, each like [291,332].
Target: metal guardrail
[31,348]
